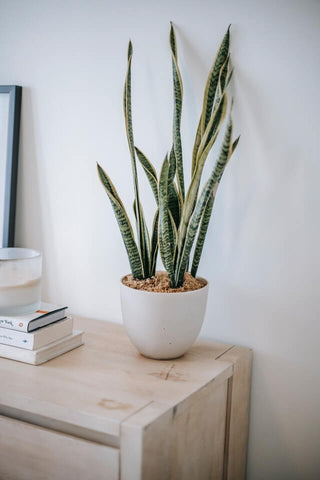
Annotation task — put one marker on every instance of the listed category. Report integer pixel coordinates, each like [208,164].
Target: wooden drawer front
[31,452]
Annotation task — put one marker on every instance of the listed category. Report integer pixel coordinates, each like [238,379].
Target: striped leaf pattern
[216,74]
[142,232]
[150,172]
[173,235]
[154,244]
[204,225]
[146,263]
[183,260]
[212,81]
[124,225]
[205,141]
[165,247]
[174,203]
[223,81]
[196,148]
[178,93]
[212,132]
[204,148]
[235,144]
[202,235]
[209,188]
[180,219]
[173,196]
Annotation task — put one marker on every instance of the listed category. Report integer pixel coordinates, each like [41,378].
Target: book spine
[13,324]
[16,339]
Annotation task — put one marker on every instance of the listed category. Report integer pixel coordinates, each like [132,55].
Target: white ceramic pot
[163,325]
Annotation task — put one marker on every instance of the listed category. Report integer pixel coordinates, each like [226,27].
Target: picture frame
[10,110]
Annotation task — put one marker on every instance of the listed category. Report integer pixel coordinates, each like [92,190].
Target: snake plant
[182,215]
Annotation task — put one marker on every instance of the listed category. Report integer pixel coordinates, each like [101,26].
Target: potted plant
[163,311]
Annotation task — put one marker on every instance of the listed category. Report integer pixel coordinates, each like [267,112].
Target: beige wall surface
[262,250]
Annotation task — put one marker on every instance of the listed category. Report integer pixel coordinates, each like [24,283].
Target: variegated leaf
[173,235]
[178,94]
[212,81]
[212,95]
[204,224]
[164,222]
[206,144]
[150,172]
[202,235]
[172,166]
[127,107]
[146,260]
[124,225]
[223,81]
[212,131]
[196,148]
[173,196]
[154,244]
[208,190]
[235,144]
[142,231]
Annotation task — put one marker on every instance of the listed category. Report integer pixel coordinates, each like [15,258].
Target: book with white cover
[36,357]
[38,338]
[45,315]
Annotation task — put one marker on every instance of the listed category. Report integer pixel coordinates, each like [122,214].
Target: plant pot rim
[205,287]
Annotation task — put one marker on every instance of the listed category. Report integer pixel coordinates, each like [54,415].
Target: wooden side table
[103,411]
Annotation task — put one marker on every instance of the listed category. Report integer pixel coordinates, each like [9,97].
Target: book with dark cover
[45,315]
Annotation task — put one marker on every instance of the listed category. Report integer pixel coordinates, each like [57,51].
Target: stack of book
[38,337]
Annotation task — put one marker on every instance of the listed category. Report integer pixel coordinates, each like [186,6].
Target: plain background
[262,249]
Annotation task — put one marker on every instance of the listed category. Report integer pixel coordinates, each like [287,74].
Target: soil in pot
[161,283]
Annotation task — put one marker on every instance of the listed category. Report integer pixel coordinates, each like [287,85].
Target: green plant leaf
[202,235]
[174,201]
[173,235]
[165,247]
[128,110]
[196,147]
[150,172]
[174,204]
[223,81]
[154,244]
[212,131]
[208,190]
[178,220]
[191,233]
[213,79]
[124,225]
[172,166]
[224,78]
[204,224]
[142,231]
[223,74]
[235,144]
[145,232]
[207,141]
[178,94]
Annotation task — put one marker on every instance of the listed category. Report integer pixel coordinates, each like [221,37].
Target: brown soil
[161,283]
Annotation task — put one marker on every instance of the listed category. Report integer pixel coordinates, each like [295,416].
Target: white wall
[262,251]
